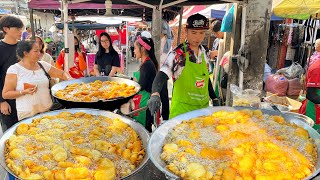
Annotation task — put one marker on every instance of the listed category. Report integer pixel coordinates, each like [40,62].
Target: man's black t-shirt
[106,61]
[8,57]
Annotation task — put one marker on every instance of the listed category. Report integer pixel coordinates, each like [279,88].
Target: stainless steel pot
[108,104]
[157,138]
[268,106]
[142,132]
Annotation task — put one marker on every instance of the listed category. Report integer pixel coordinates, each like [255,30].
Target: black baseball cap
[197,21]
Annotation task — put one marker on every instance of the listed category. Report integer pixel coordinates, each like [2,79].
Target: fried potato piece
[195,171]
[77,173]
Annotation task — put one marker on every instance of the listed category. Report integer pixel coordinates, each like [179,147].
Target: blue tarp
[82,26]
[218,14]
[3,11]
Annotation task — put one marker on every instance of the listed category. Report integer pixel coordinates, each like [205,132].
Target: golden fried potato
[239,145]
[195,171]
[73,146]
[22,129]
[77,173]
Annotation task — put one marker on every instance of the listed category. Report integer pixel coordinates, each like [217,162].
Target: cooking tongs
[130,114]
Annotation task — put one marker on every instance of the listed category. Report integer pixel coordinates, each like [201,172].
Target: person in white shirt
[27,83]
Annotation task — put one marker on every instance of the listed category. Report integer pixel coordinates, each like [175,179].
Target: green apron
[140,100]
[313,112]
[190,90]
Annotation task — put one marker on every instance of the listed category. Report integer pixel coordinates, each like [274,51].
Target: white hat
[146,34]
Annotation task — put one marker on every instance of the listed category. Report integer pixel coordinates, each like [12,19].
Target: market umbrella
[296,9]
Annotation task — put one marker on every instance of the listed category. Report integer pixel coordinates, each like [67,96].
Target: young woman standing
[107,61]
[77,70]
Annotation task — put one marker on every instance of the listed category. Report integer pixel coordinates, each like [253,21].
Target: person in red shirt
[311,105]
[76,71]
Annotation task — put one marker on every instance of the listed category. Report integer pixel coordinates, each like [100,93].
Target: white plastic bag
[244,97]
[292,71]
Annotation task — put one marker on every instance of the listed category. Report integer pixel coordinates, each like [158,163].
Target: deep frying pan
[108,104]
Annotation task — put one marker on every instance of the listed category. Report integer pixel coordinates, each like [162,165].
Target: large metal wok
[157,138]
[110,104]
[141,131]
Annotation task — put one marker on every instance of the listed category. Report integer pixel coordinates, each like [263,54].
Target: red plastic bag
[277,84]
[294,87]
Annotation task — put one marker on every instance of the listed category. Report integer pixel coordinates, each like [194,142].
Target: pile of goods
[95,91]
[243,144]
[74,146]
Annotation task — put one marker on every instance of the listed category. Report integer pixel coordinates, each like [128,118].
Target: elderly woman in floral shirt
[316,54]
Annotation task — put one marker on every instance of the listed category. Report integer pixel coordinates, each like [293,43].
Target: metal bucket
[268,106]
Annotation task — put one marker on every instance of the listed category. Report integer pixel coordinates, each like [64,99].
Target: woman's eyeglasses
[104,41]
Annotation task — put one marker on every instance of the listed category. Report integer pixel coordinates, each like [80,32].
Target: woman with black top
[107,61]
[144,50]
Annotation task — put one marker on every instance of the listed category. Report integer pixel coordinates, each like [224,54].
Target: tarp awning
[187,11]
[216,11]
[82,26]
[296,9]
[4,11]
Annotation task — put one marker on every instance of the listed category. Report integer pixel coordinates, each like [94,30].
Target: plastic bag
[277,84]
[227,20]
[292,71]
[244,97]
[294,87]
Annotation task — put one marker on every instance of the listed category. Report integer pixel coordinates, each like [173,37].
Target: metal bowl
[141,131]
[156,141]
[108,104]
[302,117]
[268,106]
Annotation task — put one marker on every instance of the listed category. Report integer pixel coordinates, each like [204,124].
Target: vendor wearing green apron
[188,65]
[144,50]
[311,106]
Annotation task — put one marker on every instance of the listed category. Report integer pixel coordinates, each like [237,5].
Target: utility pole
[256,25]
[17,7]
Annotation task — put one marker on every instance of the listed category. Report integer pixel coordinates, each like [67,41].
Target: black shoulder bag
[56,105]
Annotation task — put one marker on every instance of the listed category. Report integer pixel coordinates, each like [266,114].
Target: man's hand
[5,108]
[213,54]
[154,103]
[216,102]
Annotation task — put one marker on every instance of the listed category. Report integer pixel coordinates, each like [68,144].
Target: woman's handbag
[56,105]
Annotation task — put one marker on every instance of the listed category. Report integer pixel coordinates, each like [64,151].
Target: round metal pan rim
[158,136]
[64,84]
[141,131]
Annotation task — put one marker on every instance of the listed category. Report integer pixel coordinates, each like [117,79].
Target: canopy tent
[4,11]
[46,3]
[188,11]
[216,11]
[86,26]
[297,9]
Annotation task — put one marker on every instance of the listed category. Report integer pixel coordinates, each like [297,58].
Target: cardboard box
[293,105]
